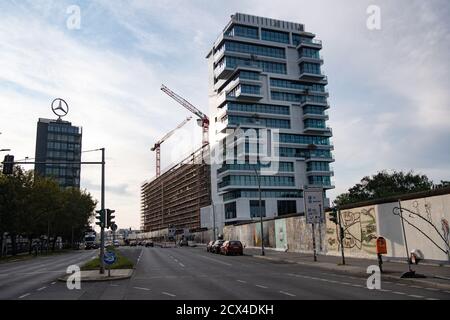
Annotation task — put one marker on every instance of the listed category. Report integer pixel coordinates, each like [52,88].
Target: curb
[357,271]
[100,279]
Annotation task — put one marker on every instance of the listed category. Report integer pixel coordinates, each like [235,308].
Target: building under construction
[174,199]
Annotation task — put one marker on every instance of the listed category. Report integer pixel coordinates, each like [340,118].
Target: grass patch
[122,262]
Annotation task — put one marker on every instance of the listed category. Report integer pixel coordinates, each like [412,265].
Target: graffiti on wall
[359,230]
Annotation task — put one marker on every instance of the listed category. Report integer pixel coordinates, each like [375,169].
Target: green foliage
[32,206]
[385,184]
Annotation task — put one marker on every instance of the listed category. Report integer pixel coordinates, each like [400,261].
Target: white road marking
[397,292]
[416,296]
[401,284]
[431,289]
[287,293]
[417,287]
[40,289]
[168,294]
[260,286]
[218,261]
[241,281]
[53,282]
[25,295]
[139,288]
[182,265]
[431,299]
[385,290]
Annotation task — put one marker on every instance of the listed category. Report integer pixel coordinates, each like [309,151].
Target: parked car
[232,247]
[216,246]
[209,246]
[149,244]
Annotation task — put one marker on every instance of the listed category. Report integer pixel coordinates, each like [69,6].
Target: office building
[59,141]
[266,75]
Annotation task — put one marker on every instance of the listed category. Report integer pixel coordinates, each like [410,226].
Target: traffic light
[333,216]
[100,218]
[109,217]
[8,164]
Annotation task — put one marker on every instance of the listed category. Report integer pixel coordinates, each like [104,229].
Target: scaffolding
[174,199]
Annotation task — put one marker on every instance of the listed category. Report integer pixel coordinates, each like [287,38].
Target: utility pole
[103,212]
[214,221]
[260,212]
[341,234]
[410,271]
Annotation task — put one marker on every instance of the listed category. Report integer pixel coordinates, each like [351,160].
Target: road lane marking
[241,281]
[260,286]
[25,295]
[397,292]
[417,287]
[53,282]
[415,296]
[431,299]
[140,288]
[218,261]
[168,294]
[431,289]
[182,265]
[385,290]
[40,289]
[287,293]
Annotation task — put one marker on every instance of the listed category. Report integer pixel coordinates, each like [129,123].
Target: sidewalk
[436,276]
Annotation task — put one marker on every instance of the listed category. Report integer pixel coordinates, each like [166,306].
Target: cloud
[388,89]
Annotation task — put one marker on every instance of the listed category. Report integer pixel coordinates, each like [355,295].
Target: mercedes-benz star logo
[60,107]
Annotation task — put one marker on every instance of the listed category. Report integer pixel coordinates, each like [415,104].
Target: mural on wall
[359,230]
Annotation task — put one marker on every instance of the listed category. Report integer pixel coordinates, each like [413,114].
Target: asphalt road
[192,273]
[17,279]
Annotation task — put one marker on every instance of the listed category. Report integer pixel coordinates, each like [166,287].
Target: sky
[389,87]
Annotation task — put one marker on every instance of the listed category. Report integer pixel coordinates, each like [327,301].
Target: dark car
[209,246]
[149,243]
[216,246]
[232,247]
[183,243]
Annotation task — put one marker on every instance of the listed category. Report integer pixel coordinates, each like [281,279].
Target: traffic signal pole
[102,229]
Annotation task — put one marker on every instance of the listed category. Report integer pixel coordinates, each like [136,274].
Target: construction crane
[202,120]
[157,146]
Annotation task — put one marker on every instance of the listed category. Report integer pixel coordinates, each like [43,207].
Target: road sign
[109,257]
[314,205]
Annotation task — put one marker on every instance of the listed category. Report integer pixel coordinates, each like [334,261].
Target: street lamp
[260,211]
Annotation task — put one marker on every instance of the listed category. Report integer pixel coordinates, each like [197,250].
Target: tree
[33,206]
[385,184]
[443,184]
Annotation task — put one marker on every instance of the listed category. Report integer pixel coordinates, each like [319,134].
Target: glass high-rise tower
[59,141]
[265,74]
